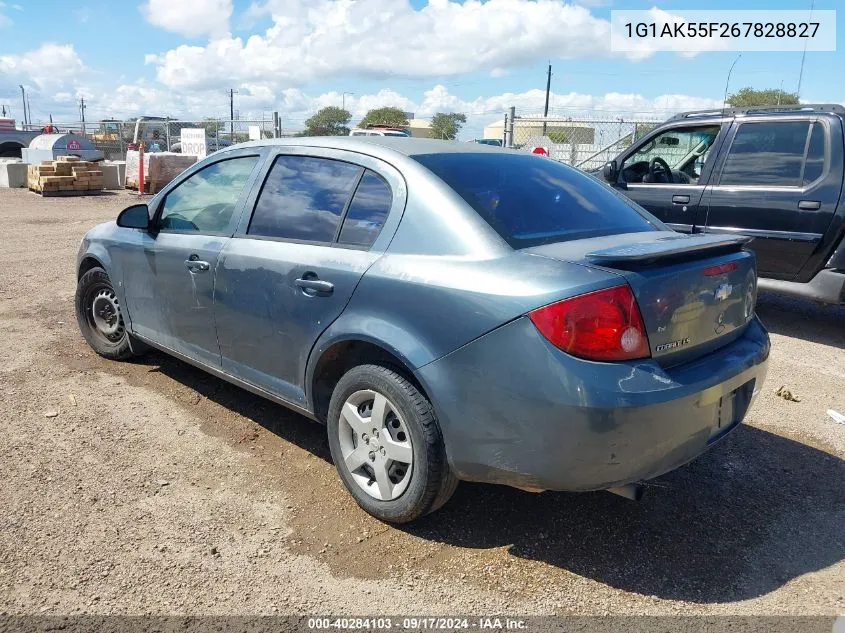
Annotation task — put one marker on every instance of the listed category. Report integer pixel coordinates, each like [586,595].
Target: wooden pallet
[67,175]
[68,194]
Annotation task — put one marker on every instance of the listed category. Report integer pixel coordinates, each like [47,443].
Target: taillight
[720,269]
[602,325]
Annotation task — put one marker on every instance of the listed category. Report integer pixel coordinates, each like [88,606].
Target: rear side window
[367,211]
[814,166]
[530,200]
[304,198]
[770,153]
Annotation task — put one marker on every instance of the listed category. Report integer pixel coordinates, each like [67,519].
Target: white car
[379,131]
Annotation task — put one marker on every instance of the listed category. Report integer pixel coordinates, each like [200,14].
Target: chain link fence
[586,143]
[114,137]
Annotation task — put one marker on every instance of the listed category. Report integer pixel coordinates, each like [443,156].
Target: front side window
[531,201]
[304,198]
[769,153]
[675,156]
[206,201]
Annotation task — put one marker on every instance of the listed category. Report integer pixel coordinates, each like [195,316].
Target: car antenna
[727,82]
[724,112]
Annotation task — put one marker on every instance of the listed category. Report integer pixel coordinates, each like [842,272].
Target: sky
[179,58]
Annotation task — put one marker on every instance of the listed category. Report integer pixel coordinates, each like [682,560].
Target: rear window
[530,200]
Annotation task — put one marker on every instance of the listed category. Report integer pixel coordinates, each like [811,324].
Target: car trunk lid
[695,292]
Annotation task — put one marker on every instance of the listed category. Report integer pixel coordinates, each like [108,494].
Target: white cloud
[48,68]
[386,38]
[5,20]
[191,18]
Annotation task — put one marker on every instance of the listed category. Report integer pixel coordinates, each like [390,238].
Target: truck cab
[771,173]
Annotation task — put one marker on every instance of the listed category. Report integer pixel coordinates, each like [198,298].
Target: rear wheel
[99,318]
[387,446]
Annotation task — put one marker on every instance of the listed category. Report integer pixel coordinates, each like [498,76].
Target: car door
[667,172]
[779,183]
[320,220]
[169,273]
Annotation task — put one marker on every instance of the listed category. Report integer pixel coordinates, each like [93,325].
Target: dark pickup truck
[773,173]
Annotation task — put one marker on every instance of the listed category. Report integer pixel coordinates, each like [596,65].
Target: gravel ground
[157,489]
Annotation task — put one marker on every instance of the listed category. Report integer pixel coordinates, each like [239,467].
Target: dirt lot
[159,489]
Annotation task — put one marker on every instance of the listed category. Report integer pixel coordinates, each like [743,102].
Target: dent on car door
[667,172]
[170,276]
[779,183]
[316,227]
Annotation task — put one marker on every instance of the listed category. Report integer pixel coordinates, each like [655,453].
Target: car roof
[783,110]
[375,145]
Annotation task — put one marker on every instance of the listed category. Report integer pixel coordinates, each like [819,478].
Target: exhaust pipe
[634,492]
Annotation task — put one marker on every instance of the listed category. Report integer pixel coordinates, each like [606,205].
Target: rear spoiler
[675,247]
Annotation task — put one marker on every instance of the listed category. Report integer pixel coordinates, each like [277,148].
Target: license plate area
[730,410]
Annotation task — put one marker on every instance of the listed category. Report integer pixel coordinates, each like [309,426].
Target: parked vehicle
[448,311]
[496,142]
[13,140]
[379,130]
[774,174]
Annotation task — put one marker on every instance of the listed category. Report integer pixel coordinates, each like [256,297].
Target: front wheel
[387,446]
[99,318]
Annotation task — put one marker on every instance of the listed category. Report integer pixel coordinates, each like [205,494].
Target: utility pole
[343,99]
[23,99]
[232,92]
[82,113]
[548,89]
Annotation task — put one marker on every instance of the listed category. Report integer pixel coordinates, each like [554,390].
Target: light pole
[23,98]
[343,99]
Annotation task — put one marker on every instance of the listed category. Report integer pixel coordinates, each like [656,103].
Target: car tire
[408,430]
[99,318]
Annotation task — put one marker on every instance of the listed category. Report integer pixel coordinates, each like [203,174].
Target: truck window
[675,156]
[769,153]
[814,165]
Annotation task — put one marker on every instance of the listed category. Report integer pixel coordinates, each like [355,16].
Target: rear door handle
[315,287]
[679,199]
[197,266]
[809,205]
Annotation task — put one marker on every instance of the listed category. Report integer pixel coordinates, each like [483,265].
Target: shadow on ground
[755,512]
[803,319]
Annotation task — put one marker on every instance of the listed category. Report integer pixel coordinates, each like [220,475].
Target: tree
[390,117]
[330,121]
[212,126]
[447,125]
[750,97]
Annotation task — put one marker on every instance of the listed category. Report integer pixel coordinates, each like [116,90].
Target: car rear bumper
[828,286]
[516,410]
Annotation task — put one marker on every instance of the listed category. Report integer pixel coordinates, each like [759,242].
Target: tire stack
[65,176]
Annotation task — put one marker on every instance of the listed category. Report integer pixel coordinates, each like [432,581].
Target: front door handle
[314,287]
[809,205]
[197,266]
[680,199]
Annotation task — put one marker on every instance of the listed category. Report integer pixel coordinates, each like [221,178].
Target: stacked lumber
[159,168]
[65,176]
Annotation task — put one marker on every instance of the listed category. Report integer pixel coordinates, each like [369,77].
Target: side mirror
[135,217]
[610,172]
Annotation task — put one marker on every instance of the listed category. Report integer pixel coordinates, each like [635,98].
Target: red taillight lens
[602,325]
[720,269]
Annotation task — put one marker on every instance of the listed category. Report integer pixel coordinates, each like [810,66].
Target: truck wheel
[99,318]
[387,446]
